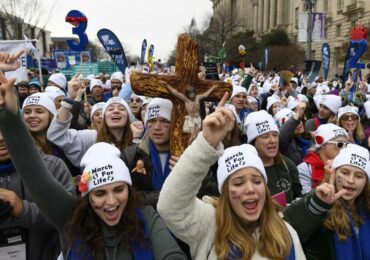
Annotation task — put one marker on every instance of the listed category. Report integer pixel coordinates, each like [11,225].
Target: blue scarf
[356,246]
[158,176]
[235,254]
[304,144]
[244,112]
[6,167]
[137,251]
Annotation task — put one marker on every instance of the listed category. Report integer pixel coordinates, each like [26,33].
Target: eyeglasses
[349,117]
[339,145]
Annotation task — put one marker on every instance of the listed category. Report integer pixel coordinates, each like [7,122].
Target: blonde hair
[274,241]
[338,220]
[359,129]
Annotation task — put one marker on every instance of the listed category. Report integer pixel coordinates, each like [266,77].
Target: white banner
[14,47]
[318,27]
[302,27]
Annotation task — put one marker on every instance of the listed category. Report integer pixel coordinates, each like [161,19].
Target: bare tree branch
[25,17]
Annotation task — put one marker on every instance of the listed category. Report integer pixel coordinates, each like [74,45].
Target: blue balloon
[79,20]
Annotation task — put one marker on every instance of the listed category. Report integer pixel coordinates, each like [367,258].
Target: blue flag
[325,50]
[114,48]
[143,51]
[266,58]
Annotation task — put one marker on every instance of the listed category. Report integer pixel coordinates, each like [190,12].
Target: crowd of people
[277,170]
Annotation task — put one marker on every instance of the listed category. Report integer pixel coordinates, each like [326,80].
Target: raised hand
[74,85]
[9,62]
[8,98]
[137,129]
[219,123]
[326,191]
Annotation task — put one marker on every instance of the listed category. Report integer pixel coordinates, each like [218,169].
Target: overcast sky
[159,21]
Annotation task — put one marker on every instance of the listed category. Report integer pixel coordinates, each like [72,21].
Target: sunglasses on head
[349,117]
[339,145]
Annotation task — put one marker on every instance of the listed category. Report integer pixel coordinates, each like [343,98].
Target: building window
[338,31]
[340,5]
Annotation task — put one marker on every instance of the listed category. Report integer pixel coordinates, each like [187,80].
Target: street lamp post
[309,4]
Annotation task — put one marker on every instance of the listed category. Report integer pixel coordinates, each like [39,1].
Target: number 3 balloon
[79,21]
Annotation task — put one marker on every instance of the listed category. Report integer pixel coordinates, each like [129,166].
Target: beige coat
[189,218]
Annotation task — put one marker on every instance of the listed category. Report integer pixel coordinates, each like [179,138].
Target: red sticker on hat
[319,139]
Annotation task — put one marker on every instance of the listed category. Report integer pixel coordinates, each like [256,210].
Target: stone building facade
[42,35]
[262,16]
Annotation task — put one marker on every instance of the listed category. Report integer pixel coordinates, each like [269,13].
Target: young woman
[329,139]
[96,115]
[349,119]
[291,129]
[115,129]
[244,222]
[38,111]
[334,222]
[106,223]
[263,133]
[273,104]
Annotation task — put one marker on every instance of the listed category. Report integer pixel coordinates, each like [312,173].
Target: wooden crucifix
[187,66]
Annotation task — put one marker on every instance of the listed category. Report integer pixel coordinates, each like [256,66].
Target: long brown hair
[338,220]
[274,241]
[85,226]
[104,135]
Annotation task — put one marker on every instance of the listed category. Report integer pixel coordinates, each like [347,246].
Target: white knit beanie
[117,75]
[333,102]
[235,158]
[251,99]
[95,83]
[347,109]
[96,107]
[317,99]
[282,116]
[292,102]
[302,98]
[158,107]
[272,100]
[118,100]
[354,155]
[102,165]
[40,99]
[59,79]
[259,123]
[237,90]
[54,92]
[327,132]
[90,77]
